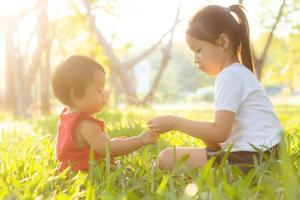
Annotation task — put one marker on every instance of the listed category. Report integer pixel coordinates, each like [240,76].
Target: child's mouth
[201,67]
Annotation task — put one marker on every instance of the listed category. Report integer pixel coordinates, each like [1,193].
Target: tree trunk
[18,84]
[259,62]
[14,74]
[22,101]
[10,94]
[45,84]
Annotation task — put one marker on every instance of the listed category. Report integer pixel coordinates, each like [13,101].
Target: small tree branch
[114,61]
[132,62]
[269,40]
[149,96]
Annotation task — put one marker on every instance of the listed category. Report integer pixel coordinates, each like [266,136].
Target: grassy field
[28,169]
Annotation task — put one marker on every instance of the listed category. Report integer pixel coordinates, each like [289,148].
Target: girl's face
[209,57]
[94,98]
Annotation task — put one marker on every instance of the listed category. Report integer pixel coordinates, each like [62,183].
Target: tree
[19,82]
[259,61]
[164,62]
[121,69]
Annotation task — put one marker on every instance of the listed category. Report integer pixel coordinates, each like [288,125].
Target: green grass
[28,169]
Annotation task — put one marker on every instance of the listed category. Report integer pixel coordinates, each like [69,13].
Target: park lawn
[28,169]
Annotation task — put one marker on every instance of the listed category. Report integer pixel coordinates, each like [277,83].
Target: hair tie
[234,15]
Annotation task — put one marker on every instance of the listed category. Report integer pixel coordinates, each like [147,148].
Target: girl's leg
[197,157]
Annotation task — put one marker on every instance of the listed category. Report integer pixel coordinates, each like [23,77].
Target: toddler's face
[208,57]
[94,98]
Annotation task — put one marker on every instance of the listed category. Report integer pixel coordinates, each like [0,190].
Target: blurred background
[141,45]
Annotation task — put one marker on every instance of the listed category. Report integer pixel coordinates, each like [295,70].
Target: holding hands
[148,137]
[157,126]
[162,124]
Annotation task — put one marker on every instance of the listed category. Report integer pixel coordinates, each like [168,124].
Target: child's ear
[74,97]
[223,41]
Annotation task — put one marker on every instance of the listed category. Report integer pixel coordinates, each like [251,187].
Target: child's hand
[148,137]
[162,124]
[213,146]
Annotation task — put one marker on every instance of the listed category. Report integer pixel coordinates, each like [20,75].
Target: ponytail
[245,52]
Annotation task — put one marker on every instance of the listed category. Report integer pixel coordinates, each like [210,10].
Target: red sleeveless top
[66,152]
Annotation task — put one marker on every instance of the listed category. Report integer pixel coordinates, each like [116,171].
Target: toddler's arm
[95,137]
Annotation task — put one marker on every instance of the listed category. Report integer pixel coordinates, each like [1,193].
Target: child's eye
[198,51]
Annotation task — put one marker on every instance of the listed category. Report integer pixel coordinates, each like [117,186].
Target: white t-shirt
[238,91]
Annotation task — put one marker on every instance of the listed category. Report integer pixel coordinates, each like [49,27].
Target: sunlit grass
[28,169]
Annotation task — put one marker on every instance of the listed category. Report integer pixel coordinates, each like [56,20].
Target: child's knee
[164,158]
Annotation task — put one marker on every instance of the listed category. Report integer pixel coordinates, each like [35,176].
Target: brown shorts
[242,159]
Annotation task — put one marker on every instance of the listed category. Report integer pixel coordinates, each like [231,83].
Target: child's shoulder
[81,120]
[235,67]
[88,124]
[236,71]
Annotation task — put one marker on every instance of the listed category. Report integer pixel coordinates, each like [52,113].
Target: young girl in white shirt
[244,116]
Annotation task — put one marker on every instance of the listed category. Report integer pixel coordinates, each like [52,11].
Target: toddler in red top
[78,83]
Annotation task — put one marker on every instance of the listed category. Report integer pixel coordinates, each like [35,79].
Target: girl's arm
[96,138]
[216,132]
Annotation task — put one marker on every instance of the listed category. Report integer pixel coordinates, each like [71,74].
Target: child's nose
[105,96]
